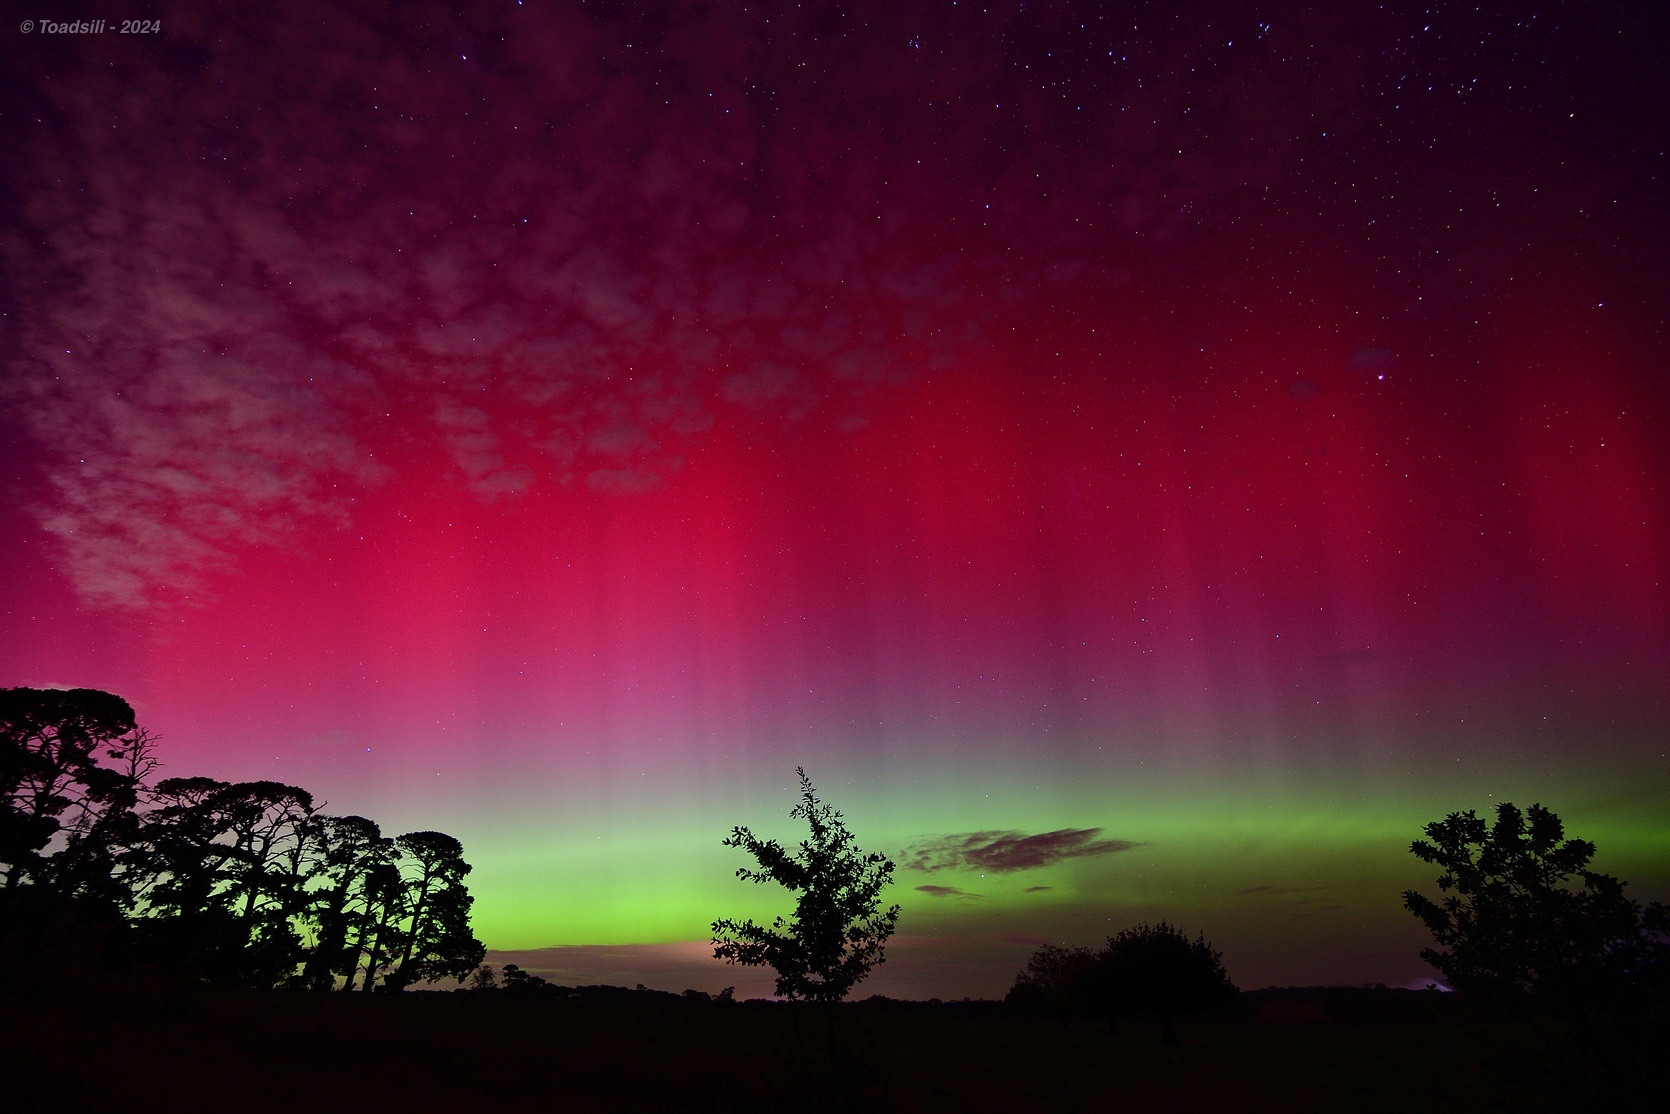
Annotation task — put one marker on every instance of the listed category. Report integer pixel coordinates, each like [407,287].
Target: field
[172,1047]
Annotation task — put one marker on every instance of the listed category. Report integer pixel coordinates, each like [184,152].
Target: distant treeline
[516,981]
[244,882]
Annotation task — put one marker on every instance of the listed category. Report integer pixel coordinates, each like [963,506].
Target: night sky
[1143,460]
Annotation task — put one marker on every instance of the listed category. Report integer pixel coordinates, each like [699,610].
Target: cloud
[1037,889]
[1300,901]
[770,386]
[568,281]
[624,481]
[945,891]
[476,450]
[1002,852]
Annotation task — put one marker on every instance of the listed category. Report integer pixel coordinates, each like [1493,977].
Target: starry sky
[1144,460]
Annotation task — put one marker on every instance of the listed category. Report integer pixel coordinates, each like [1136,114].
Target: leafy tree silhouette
[1514,926]
[273,829]
[351,848]
[838,932]
[181,920]
[521,982]
[484,978]
[1156,969]
[72,767]
[374,931]
[1152,970]
[245,882]
[414,925]
[1057,980]
[71,763]
[435,940]
[227,866]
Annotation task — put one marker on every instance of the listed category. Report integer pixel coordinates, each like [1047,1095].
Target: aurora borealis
[1144,461]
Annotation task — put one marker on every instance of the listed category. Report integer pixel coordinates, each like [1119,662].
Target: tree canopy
[839,930]
[1523,916]
[71,761]
[1149,970]
[246,882]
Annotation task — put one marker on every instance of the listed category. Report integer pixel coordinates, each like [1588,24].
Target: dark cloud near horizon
[1002,852]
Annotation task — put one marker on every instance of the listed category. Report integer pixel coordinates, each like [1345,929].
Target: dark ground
[174,1047]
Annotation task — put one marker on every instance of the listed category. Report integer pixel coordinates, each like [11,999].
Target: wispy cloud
[564,284]
[1278,891]
[945,891]
[1002,852]
[1296,901]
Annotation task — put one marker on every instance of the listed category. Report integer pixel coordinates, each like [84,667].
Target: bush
[1150,970]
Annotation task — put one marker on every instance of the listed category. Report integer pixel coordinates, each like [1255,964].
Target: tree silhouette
[72,766]
[227,870]
[183,919]
[1514,925]
[98,863]
[1057,980]
[415,921]
[71,762]
[273,830]
[436,940]
[1156,969]
[838,932]
[351,848]
[1152,970]
[246,882]
[521,982]
[373,932]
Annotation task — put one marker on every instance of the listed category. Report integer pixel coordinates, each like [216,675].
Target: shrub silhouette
[1149,970]
[1057,980]
[1155,969]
